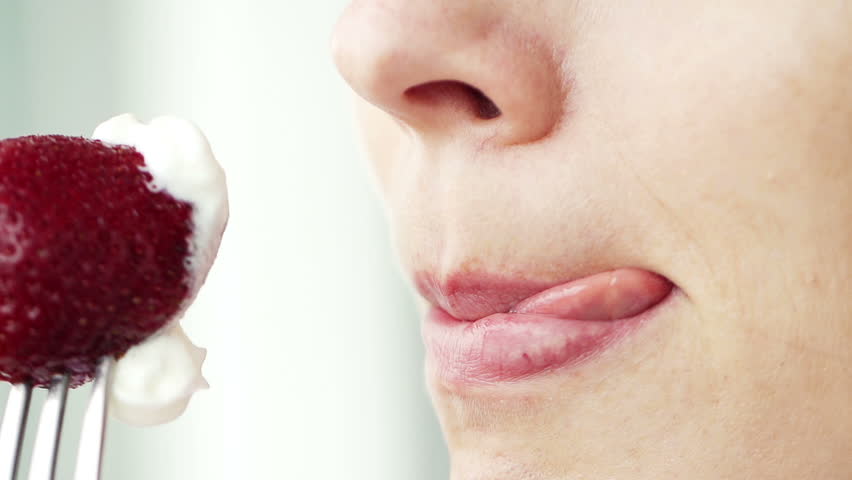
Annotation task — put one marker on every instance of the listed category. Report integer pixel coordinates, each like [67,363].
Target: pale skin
[710,142]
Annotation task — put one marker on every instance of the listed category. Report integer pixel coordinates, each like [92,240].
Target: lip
[484,329]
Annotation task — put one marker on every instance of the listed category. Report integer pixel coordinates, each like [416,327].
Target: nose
[452,68]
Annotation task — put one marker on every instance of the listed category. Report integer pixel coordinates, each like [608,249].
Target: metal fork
[46,446]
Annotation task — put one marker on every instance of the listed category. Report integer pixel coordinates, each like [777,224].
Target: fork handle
[12,430]
[91,447]
[46,447]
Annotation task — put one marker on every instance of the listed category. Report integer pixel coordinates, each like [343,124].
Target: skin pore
[709,142]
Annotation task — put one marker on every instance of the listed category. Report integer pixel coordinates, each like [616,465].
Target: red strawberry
[92,261]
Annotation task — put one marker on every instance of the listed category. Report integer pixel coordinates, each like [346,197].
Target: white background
[314,354]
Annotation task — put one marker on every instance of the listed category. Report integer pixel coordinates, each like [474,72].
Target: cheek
[740,147]
[383,141]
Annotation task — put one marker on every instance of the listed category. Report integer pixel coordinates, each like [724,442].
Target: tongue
[605,296]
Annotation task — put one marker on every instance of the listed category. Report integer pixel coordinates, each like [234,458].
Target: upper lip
[470,296]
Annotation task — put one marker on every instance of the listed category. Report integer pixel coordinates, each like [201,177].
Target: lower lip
[508,347]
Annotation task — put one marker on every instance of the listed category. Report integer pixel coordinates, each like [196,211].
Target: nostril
[485,108]
[454,94]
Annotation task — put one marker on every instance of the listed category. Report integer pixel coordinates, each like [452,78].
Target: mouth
[485,329]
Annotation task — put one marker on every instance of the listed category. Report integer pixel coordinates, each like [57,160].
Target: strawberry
[92,260]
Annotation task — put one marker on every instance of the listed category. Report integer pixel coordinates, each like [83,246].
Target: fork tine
[94,425]
[46,445]
[12,429]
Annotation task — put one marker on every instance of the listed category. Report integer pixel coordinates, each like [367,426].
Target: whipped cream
[154,380]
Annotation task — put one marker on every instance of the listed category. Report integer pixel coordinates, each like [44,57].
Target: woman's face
[521,145]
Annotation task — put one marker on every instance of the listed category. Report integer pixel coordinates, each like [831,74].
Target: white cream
[154,380]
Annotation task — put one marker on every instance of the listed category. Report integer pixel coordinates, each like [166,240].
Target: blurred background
[314,354]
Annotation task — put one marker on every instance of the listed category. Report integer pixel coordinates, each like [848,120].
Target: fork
[46,446]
